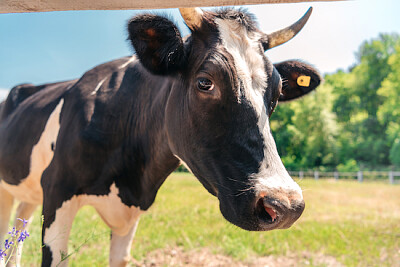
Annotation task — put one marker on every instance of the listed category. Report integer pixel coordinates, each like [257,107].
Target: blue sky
[53,46]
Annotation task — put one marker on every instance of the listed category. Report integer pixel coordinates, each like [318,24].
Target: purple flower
[24,234]
[7,244]
[14,232]
[15,237]
[2,254]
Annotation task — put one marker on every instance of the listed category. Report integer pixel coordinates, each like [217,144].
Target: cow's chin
[255,215]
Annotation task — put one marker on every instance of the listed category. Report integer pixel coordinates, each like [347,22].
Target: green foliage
[352,120]
[389,111]
[181,168]
[395,153]
[349,166]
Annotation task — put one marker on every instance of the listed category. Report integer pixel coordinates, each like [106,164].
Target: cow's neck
[147,155]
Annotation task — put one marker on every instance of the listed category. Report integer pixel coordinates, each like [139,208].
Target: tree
[357,100]
[389,111]
[353,120]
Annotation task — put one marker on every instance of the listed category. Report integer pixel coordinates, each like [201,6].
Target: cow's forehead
[243,44]
[239,16]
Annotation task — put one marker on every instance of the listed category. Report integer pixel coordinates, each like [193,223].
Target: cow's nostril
[271,212]
[265,212]
[275,211]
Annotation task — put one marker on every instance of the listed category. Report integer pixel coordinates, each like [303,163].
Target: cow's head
[223,92]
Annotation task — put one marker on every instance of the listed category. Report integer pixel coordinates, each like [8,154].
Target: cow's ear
[298,79]
[158,43]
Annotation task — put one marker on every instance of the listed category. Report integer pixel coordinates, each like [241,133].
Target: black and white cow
[111,138]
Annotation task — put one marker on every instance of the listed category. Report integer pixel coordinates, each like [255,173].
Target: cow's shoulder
[108,75]
[89,118]
[99,104]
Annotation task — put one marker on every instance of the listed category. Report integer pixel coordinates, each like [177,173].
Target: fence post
[336,175]
[360,176]
[301,174]
[391,177]
[316,175]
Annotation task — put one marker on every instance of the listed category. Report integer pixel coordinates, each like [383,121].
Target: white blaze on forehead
[244,47]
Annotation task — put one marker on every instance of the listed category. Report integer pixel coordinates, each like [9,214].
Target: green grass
[357,223]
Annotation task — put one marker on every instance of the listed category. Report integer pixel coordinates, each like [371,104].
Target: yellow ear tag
[304,81]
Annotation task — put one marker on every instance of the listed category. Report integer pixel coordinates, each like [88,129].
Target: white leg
[121,247]
[56,233]
[6,204]
[24,211]
[122,220]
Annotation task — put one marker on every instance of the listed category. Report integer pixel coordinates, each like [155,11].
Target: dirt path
[204,257]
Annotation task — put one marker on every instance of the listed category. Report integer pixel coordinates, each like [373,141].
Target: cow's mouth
[265,212]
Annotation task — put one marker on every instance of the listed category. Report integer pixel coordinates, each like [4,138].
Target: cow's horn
[193,17]
[284,35]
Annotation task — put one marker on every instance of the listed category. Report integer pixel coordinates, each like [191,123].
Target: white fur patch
[6,204]
[120,249]
[244,47]
[30,190]
[131,59]
[98,86]
[184,163]
[119,217]
[272,175]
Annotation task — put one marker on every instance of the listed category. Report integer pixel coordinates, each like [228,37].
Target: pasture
[352,223]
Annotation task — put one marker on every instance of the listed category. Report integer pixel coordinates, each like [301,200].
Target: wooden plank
[17,6]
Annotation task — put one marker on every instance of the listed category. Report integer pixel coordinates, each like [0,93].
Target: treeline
[352,121]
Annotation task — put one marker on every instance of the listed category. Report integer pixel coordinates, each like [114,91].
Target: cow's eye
[205,84]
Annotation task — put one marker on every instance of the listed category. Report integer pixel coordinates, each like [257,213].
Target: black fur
[290,71]
[158,43]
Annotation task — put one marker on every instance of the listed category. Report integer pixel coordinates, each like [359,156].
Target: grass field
[356,223]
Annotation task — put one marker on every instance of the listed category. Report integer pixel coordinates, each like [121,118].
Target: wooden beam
[17,6]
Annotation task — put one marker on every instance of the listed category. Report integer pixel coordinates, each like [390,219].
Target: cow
[111,138]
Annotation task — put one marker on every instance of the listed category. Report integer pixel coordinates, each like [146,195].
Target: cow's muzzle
[278,211]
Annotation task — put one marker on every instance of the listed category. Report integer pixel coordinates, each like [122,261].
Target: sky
[53,46]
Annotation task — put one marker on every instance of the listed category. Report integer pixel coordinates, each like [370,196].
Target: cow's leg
[122,220]
[121,247]
[6,204]
[56,228]
[24,212]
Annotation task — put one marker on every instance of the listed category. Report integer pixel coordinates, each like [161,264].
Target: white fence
[360,175]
